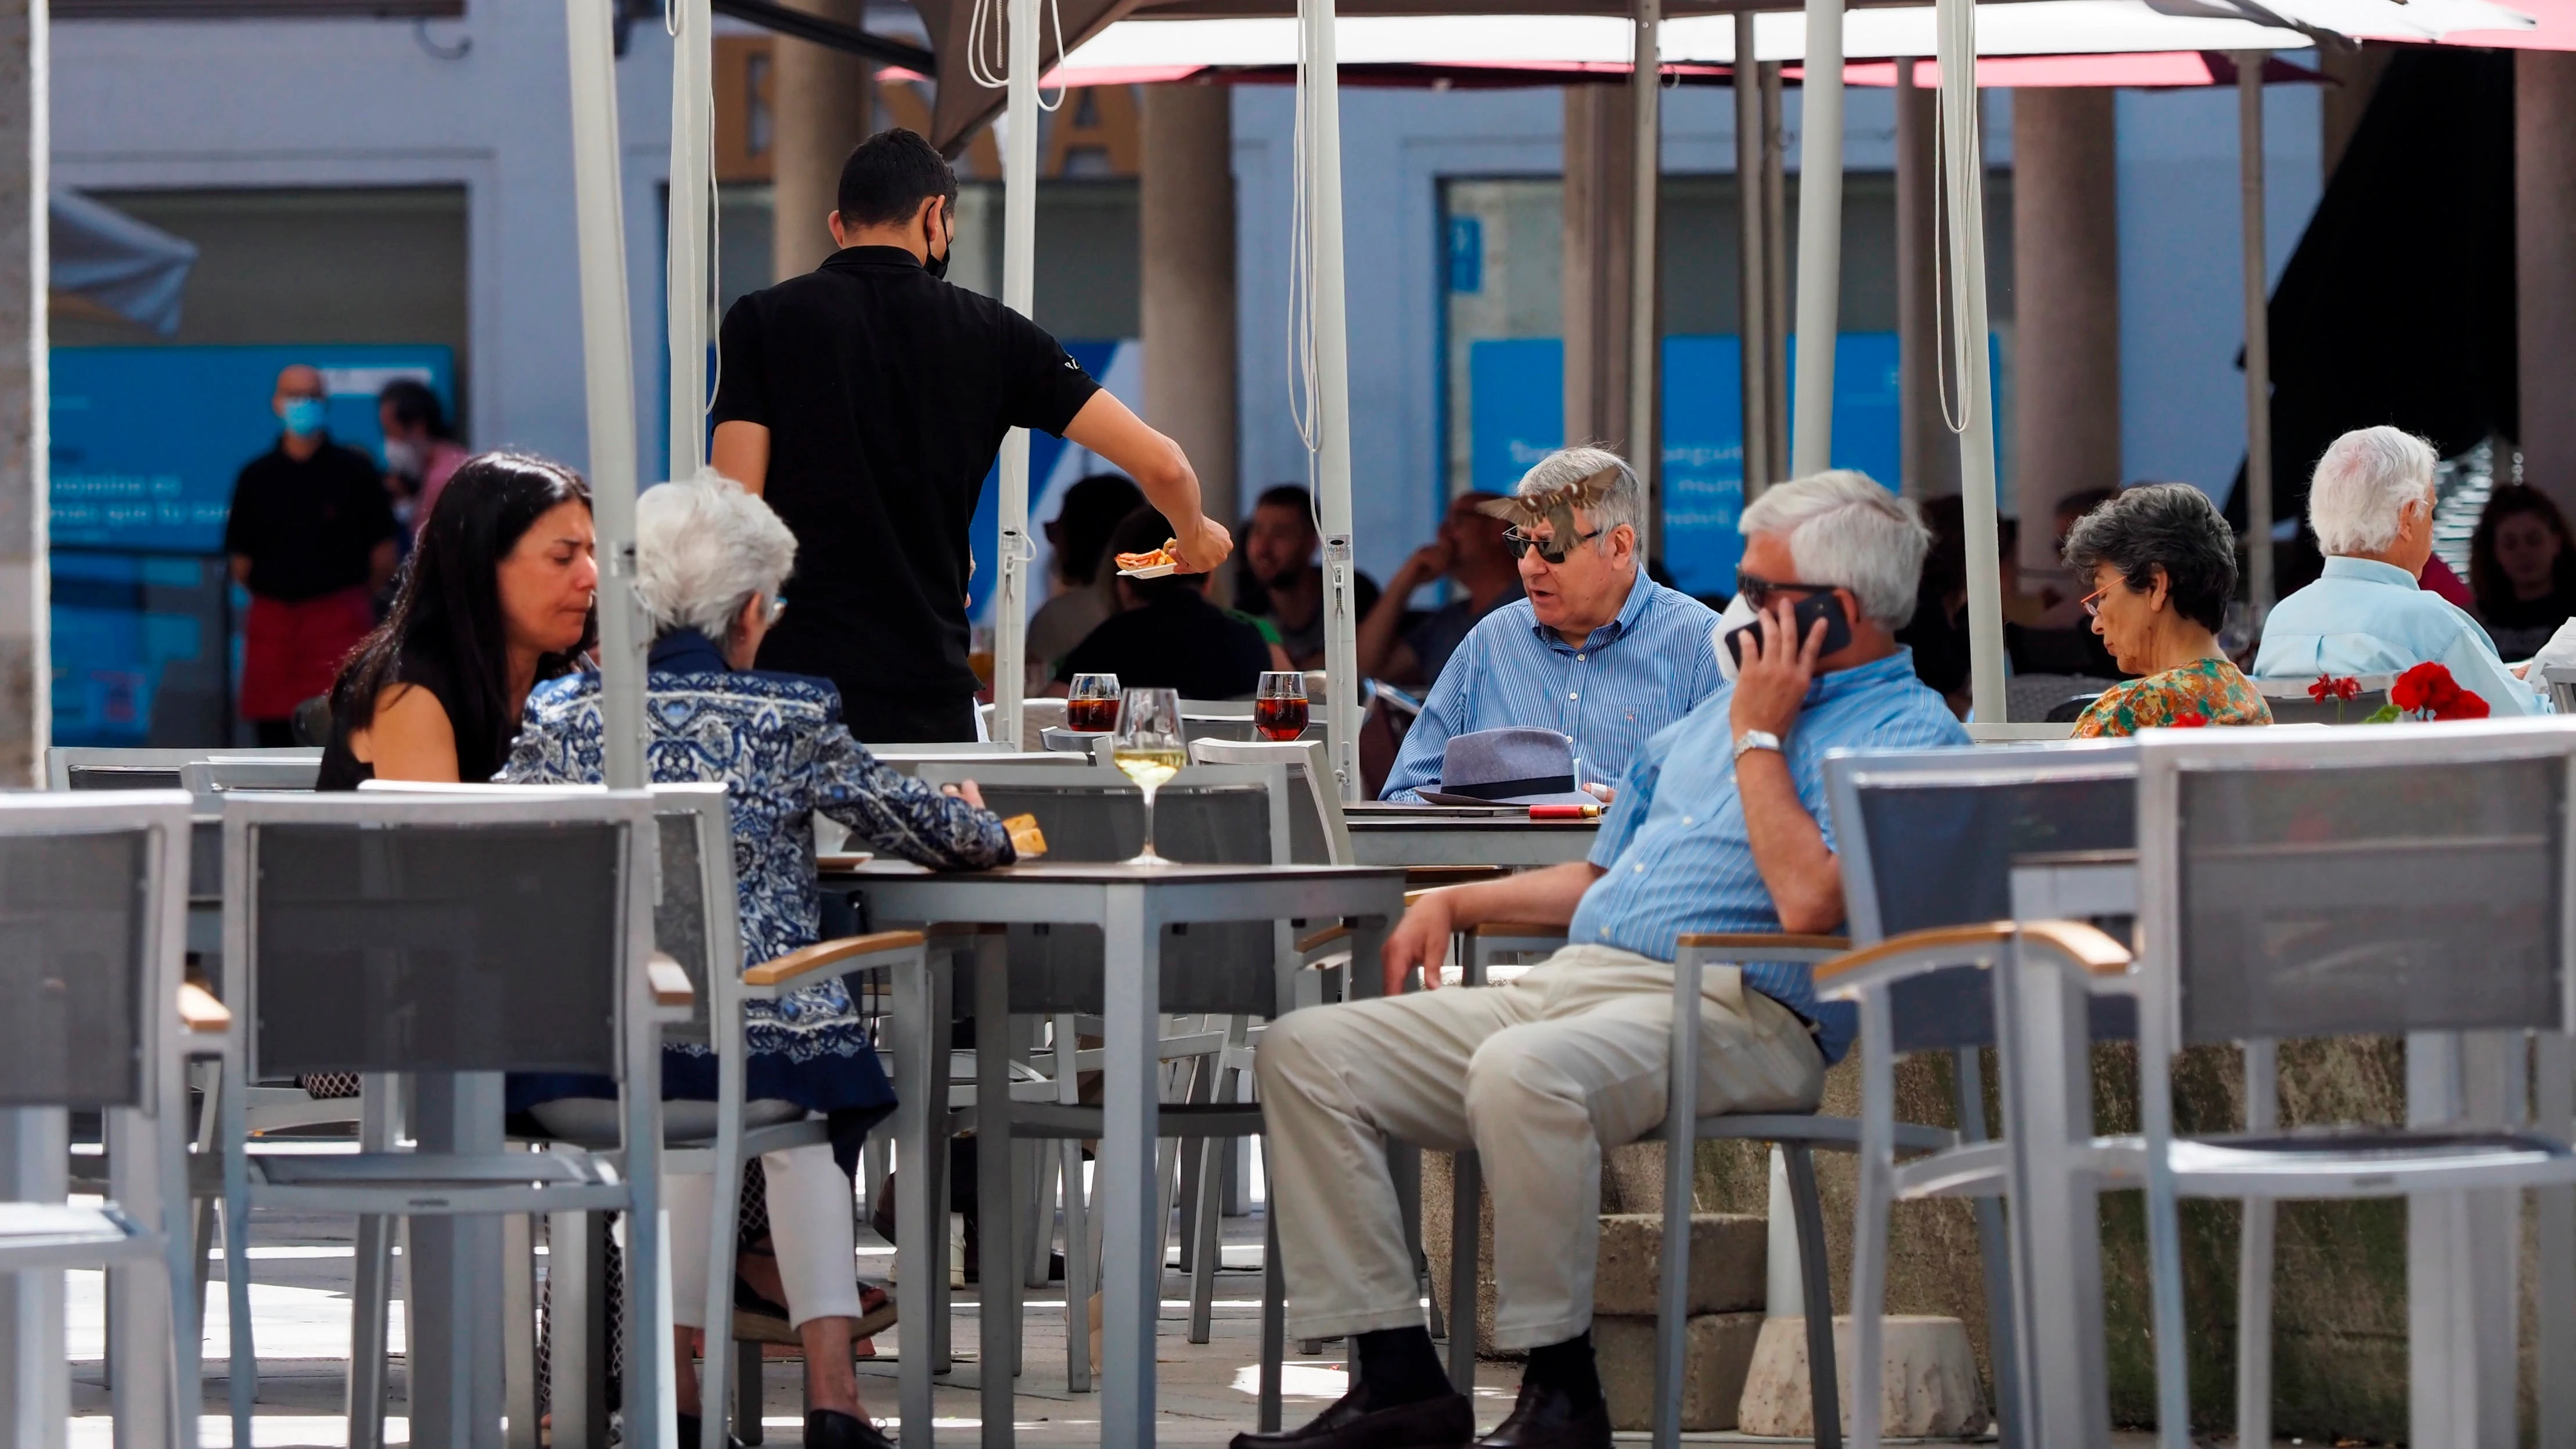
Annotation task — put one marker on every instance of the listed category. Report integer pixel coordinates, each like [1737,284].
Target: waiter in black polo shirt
[866,400]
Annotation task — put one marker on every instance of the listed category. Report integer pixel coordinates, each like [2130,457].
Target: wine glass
[1091,705]
[1149,750]
[1279,705]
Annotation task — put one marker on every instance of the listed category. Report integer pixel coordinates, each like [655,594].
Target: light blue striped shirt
[2362,616]
[1674,848]
[1629,678]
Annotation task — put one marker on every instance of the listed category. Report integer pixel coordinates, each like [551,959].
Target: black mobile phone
[1825,606]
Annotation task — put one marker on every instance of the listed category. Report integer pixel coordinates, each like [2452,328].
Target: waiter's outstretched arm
[741,452]
[1107,427]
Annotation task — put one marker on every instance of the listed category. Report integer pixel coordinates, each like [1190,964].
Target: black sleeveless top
[342,770]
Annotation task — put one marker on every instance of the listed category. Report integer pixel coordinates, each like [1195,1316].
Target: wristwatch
[1752,740]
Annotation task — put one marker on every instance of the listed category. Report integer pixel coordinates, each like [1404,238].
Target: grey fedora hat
[1515,766]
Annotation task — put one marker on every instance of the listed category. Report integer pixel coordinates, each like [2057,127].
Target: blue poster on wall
[147,440]
[1517,414]
[146,443]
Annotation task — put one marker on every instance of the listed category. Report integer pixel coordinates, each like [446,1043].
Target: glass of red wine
[1091,706]
[1279,706]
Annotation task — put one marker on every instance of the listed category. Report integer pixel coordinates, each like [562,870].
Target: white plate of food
[1154,565]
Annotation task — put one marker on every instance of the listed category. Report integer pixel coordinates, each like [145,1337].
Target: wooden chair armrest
[2082,942]
[1942,946]
[824,953]
[1761,941]
[199,1011]
[1309,944]
[670,983]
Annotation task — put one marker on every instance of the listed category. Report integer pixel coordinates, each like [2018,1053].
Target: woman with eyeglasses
[709,561]
[2159,563]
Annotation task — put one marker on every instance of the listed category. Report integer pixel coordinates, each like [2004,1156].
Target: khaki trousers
[1537,1076]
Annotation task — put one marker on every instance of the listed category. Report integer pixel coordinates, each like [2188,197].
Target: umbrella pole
[2258,337]
[1644,443]
[1019,291]
[1753,269]
[1321,112]
[1963,193]
[608,375]
[1820,238]
[691,139]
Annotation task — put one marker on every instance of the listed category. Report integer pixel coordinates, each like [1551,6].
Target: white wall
[2182,315]
[367,103]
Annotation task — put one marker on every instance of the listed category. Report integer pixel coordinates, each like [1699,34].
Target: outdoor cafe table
[1130,904]
[1392,834]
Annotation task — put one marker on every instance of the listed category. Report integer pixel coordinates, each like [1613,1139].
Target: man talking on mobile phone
[1720,826]
[866,401]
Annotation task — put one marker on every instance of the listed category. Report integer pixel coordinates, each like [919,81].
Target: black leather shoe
[1446,1422]
[1544,1418]
[832,1429]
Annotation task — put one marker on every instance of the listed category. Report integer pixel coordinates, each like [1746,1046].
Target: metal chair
[87,767]
[2410,880]
[1926,840]
[2291,703]
[452,939]
[93,891]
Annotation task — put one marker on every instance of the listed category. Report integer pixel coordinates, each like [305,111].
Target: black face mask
[937,266]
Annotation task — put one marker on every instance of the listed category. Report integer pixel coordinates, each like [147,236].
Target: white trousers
[1536,1076]
[811,1212]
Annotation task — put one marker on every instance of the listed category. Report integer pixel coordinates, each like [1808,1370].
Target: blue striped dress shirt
[1629,678]
[1674,850]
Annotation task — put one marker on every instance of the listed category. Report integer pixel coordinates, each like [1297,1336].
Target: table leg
[997,1256]
[35,1378]
[2058,1212]
[920,1043]
[456,1278]
[1131,1251]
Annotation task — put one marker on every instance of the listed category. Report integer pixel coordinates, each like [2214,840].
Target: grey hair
[1845,528]
[1623,502]
[2366,478]
[703,548]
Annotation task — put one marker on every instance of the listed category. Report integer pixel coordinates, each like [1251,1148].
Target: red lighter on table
[1564,812]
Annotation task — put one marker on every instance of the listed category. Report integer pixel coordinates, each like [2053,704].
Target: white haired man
[2371,504]
[1595,650]
[1720,825]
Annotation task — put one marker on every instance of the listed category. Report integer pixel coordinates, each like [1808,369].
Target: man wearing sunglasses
[1595,650]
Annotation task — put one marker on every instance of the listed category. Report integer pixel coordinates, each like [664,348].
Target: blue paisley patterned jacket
[778,743]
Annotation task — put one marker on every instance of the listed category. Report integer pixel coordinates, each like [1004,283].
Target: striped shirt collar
[1641,597]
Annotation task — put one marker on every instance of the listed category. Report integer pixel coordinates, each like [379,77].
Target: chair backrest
[696,919]
[1207,814]
[1317,833]
[910,759]
[2415,878]
[2291,703]
[206,780]
[93,902]
[1927,838]
[412,931]
[86,767]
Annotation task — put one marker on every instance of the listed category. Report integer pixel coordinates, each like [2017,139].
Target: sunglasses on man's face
[1757,590]
[1551,549]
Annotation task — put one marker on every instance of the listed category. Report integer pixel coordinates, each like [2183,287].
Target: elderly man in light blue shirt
[2371,505]
[1595,650]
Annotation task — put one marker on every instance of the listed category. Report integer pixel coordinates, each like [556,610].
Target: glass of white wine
[1149,748]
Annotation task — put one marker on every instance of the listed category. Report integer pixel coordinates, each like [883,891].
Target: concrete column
[1928,455]
[1600,186]
[2544,223]
[1185,195]
[2066,260]
[26,696]
[823,103]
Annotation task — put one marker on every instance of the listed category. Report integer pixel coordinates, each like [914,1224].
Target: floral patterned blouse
[778,743]
[2205,691]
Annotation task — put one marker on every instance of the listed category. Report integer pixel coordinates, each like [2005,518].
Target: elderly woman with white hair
[1594,649]
[2371,505]
[710,558]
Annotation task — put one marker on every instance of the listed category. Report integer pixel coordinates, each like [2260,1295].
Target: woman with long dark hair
[497,596]
[2522,569]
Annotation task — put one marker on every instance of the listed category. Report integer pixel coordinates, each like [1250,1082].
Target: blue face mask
[303,416]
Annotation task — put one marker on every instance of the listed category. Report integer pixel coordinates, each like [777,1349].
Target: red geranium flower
[2428,687]
[2189,721]
[2464,704]
[2329,687]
